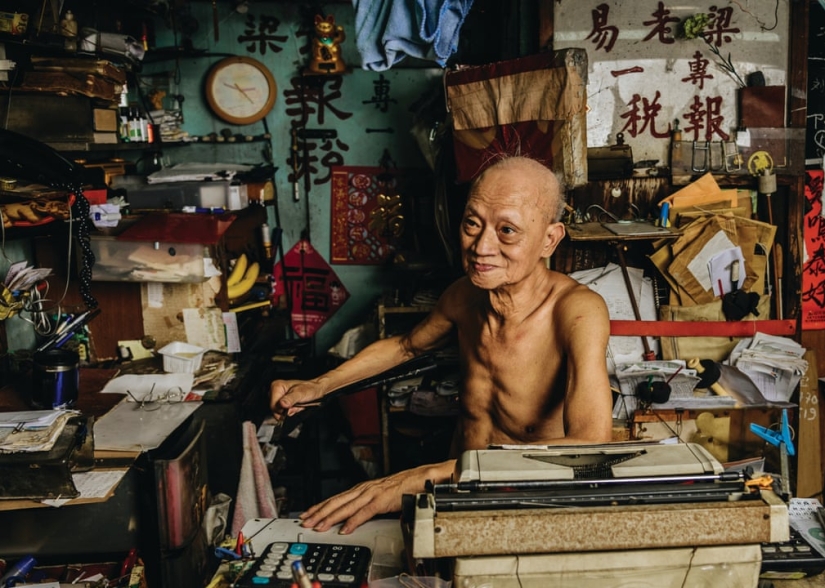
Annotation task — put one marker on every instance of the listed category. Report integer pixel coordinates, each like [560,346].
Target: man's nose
[485,242]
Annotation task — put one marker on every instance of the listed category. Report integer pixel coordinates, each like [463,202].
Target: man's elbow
[592,433]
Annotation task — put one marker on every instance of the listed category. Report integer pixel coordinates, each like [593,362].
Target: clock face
[240,90]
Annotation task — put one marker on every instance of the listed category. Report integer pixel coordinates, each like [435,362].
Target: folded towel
[387,31]
[255,496]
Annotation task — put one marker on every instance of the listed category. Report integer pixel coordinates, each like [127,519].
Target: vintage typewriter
[528,512]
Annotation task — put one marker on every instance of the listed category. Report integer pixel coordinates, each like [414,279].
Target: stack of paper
[31,430]
[170,121]
[197,172]
[774,364]
[682,382]
[609,282]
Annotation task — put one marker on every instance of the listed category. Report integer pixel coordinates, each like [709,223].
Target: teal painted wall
[284,31]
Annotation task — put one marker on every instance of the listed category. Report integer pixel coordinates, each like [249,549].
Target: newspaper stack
[775,364]
[169,121]
[681,379]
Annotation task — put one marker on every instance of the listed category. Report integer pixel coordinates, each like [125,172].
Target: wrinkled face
[505,231]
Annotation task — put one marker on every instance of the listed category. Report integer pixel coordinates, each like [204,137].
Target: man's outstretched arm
[369,499]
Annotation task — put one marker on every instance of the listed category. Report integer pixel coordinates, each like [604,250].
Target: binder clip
[782,440]
[776,438]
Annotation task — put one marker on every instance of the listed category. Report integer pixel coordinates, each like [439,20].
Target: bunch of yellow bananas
[242,277]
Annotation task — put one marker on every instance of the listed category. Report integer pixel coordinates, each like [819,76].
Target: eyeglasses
[154,401]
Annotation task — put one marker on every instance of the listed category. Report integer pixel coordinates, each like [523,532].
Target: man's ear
[552,237]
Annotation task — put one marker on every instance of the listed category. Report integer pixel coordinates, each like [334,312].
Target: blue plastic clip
[224,553]
[775,438]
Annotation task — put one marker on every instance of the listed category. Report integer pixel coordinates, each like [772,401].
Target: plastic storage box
[180,357]
[144,261]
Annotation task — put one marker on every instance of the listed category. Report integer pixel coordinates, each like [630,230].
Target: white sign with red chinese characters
[647,69]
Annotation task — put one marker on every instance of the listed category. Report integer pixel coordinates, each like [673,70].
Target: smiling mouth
[481,267]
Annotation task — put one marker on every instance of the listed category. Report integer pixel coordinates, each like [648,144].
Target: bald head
[547,185]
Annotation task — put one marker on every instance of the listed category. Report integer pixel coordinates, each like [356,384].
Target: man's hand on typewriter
[374,497]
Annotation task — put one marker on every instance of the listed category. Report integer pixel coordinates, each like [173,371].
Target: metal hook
[721,165]
[602,211]
[733,160]
[700,146]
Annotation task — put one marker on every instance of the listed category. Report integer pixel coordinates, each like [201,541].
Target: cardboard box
[105,119]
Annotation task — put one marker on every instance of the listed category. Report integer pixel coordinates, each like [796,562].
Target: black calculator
[792,559]
[332,564]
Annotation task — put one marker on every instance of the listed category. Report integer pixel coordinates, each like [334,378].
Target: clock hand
[241,90]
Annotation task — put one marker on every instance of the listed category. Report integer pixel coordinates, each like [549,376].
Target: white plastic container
[182,358]
[213,194]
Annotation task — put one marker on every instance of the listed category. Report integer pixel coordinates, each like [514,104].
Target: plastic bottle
[123,113]
[17,573]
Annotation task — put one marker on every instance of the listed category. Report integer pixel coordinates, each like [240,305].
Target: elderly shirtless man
[531,342]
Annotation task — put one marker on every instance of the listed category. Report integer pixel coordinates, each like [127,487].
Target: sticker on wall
[315,291]
[367,215]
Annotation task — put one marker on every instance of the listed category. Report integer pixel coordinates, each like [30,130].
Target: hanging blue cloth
[387,31]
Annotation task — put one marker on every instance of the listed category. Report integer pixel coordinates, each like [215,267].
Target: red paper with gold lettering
[813,268]
[315,292]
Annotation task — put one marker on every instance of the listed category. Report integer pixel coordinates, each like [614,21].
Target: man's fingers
[336,509]
[360,517]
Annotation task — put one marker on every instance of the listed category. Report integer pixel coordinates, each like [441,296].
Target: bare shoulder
[577,302]
[457,298]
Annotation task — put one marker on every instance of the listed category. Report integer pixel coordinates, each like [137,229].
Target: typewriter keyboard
[331,564]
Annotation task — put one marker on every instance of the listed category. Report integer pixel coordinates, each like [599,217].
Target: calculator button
[293,556]
[282,575]
[326,577]
[298,548]
[348,578]
[278,547]
[260,580]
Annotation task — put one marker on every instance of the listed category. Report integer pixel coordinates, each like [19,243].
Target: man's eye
[508,230]
[470,223]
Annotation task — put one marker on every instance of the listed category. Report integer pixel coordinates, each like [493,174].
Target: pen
[299,574]
[69,331]
[67,327]
[663,218]
[129,562]
[203,210]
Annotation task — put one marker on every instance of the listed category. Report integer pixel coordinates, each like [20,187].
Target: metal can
[55,379]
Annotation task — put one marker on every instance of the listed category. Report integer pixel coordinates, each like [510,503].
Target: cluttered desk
[604,515]
[127,472]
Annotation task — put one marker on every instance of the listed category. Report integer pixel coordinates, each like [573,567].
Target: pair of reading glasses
[154,401]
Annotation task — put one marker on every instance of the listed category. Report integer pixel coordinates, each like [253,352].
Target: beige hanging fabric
[534,106]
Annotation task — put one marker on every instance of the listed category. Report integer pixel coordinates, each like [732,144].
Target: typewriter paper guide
[528,463]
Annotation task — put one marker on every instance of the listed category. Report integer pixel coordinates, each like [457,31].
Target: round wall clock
[240,90]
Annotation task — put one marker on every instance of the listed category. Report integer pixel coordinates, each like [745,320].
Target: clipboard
[636,228]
